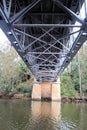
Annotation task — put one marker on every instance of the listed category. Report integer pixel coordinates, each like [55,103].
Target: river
[33,115]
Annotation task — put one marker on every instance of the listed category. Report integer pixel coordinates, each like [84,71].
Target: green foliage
[75,74]
[22,88]
[72,77]
[8,68]
[13,72]
[24,73]
[67,87]
[68,92]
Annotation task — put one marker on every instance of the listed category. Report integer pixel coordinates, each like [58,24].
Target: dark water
[27,115]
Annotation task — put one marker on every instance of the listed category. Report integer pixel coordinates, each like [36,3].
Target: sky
[3,40]
[3,37]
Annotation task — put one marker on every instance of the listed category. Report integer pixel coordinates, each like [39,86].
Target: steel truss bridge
[44,33]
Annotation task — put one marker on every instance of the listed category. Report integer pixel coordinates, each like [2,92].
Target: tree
[24,72]
[67,86]
[76,74]
[8,68]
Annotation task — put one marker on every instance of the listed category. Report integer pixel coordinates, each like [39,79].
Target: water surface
[33,115]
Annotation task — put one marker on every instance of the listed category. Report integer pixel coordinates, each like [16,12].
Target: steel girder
[44,33]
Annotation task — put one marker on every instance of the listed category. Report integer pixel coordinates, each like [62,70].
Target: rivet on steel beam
[9,33]
[14,42]
[73,51]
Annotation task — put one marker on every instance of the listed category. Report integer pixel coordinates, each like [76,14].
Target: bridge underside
[44,33]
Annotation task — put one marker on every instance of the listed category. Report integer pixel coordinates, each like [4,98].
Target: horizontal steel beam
[47,25]
[48,71]
[55,53]
[38,65]
[43,13]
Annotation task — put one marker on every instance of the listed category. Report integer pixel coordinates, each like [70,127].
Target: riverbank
[63,99]
[15,96]
[74,99]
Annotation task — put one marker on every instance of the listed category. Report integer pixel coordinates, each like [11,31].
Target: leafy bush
[67,86]
[22,88]
[68,91]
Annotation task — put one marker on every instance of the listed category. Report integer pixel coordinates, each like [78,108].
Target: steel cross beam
[85,4]
[51,45]
[55,39]
[3,14]
[67,10]
[7,10]
[38,39]
[17,16]
[31,36]
[46,32]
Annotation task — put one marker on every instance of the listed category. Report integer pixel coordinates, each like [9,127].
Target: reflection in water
[74,116]
[46,109]
[27,115]
[48,113]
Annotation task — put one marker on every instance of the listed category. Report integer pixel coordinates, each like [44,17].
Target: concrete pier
[46,90]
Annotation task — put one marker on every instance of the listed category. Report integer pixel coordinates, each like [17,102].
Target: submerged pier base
[46,91]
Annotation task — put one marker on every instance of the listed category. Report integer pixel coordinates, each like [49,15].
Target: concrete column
[56,96]
[36,92]
[46,90]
